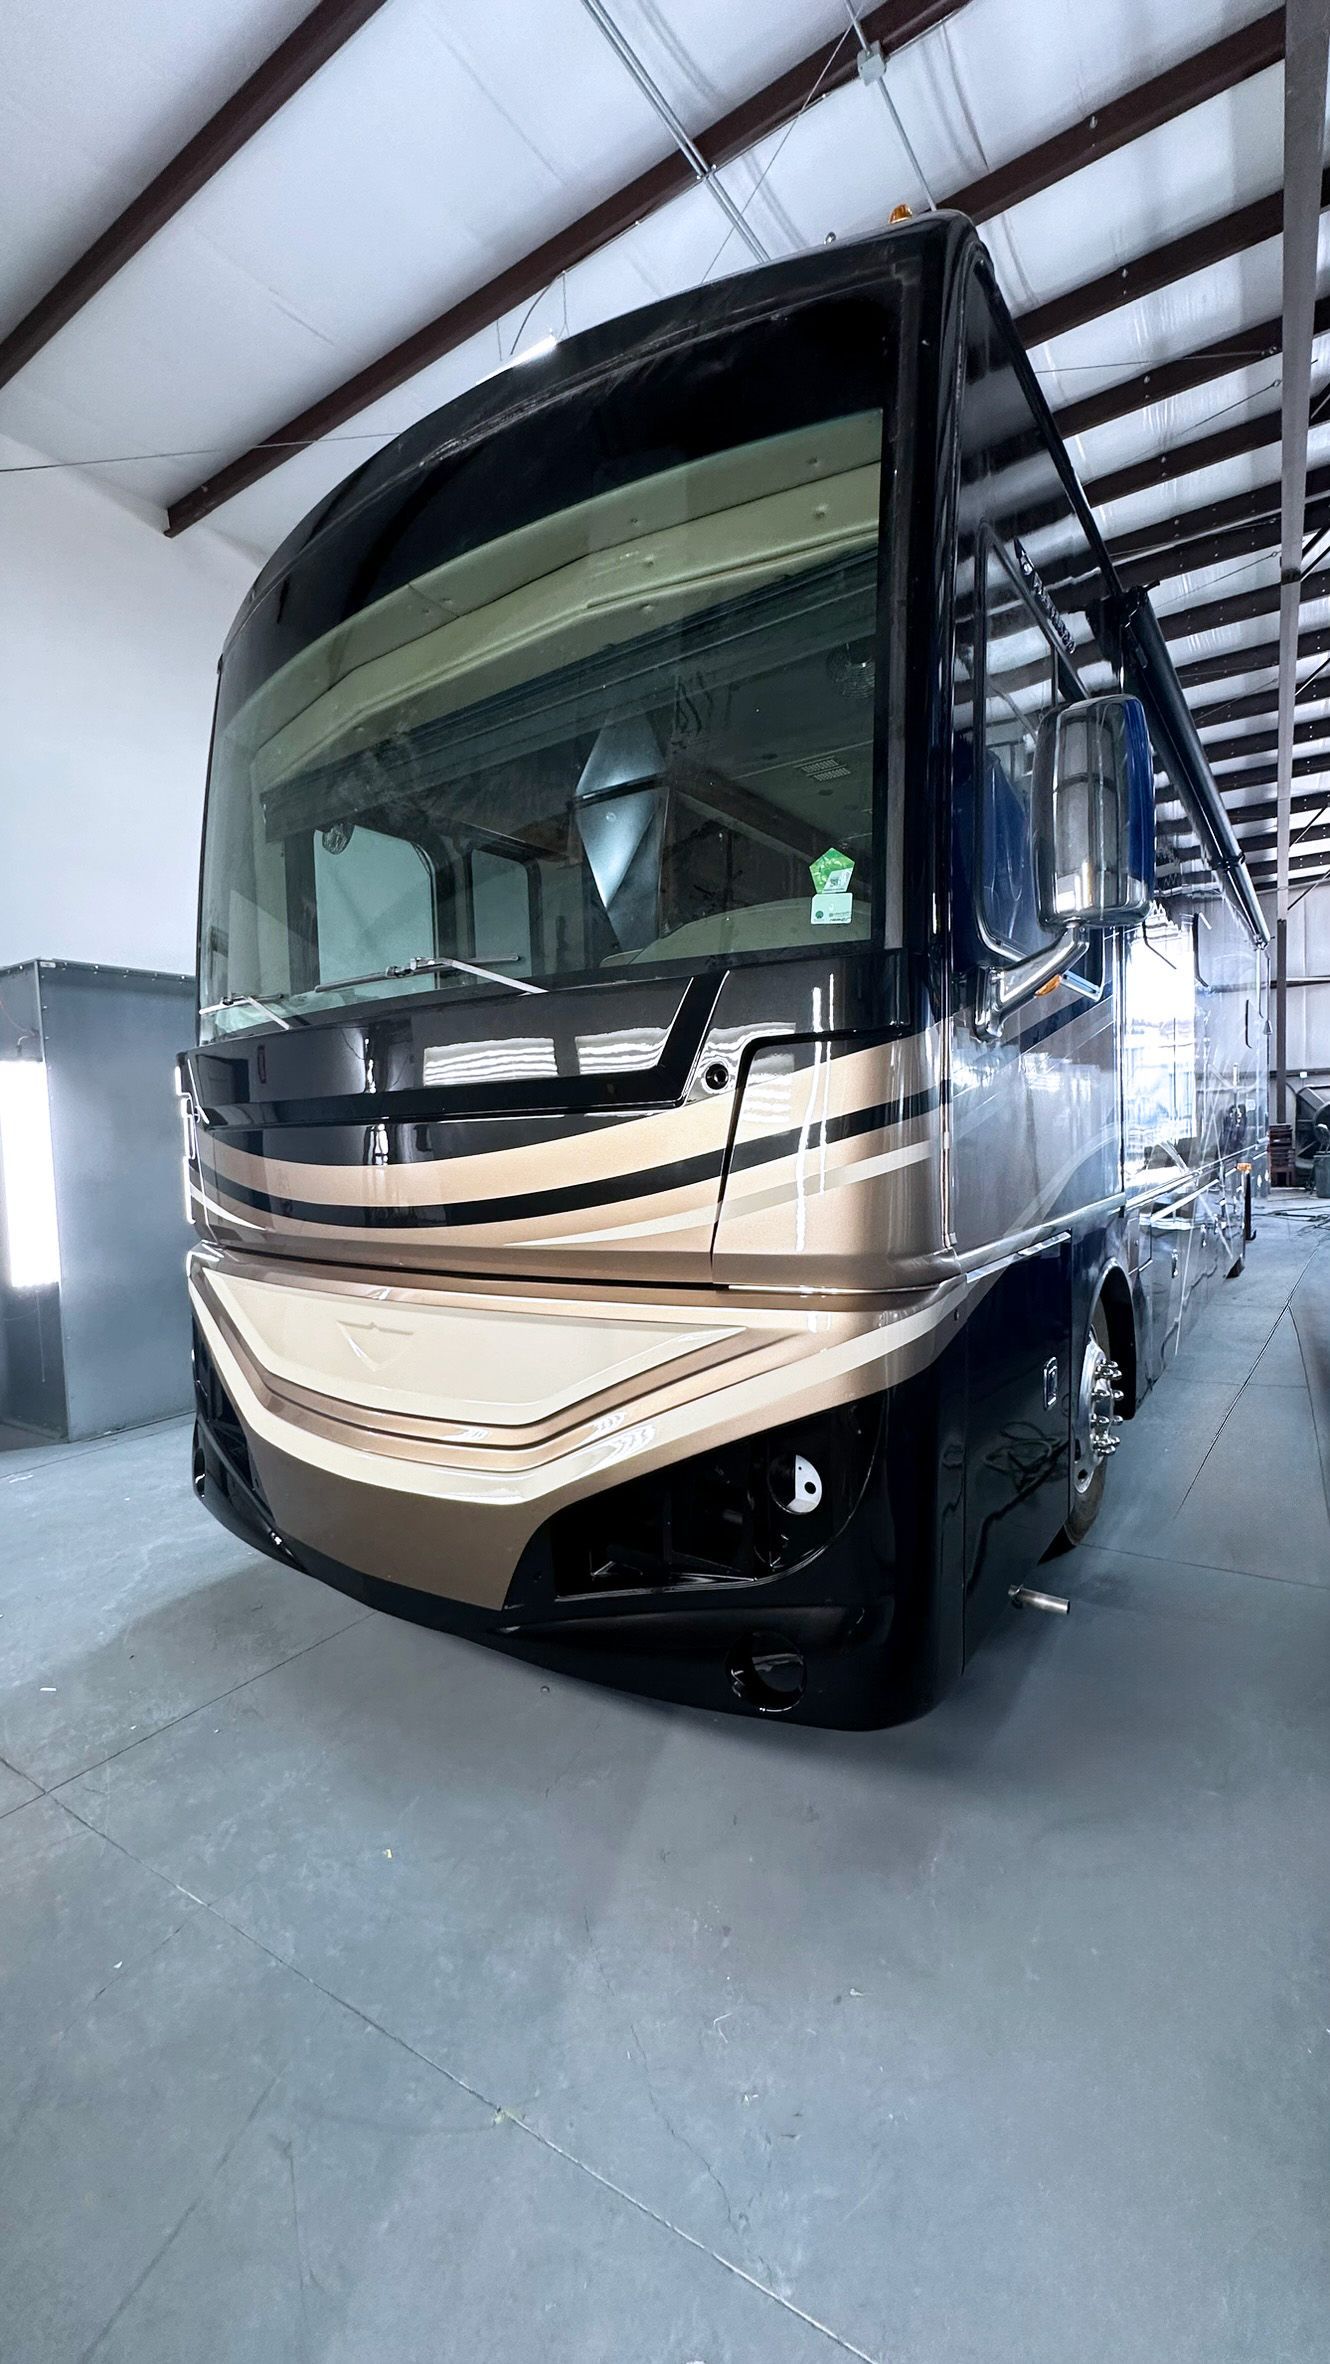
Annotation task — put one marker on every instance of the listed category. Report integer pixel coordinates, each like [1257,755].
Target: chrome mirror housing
[1092,808]
[1093,803]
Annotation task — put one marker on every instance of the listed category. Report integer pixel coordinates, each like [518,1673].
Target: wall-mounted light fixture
[27,1176]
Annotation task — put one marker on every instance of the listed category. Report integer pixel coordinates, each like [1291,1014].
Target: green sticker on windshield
[831,872]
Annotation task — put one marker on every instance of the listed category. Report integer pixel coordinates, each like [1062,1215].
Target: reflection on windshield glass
[619,734]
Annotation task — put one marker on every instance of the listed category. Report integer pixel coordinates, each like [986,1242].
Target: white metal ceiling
[450,137]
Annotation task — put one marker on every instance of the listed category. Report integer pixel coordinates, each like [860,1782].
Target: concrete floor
[367,1997]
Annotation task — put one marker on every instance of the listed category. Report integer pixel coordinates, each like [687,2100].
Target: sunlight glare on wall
[27,1176]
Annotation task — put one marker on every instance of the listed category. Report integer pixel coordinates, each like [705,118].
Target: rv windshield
[615,707]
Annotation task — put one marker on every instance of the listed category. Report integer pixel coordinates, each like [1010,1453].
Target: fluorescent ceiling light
[533,352]
[27,1176]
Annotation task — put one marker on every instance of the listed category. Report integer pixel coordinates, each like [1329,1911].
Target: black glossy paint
[353,1068]
[1017,1444]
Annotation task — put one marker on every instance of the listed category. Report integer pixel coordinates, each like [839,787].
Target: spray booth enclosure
[94,1326]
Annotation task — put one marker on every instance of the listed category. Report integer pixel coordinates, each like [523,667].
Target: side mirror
[1093,810]
[1093,813]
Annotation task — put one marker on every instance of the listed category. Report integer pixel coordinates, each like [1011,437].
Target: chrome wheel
[1098,1409]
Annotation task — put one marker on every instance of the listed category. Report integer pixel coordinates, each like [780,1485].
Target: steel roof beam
[1249,816]
[1198,536]
[1261,868]
[1264,846]
[1308,871]
[1263,701]
[1151,104]
[1189,551]
[1261,501]
[1230,665]
[1160,267]
[1165,96]
[1237,607]
[1264,775]
[1257,657]
[1213,549]
[1245,745]
[828,68]
[318,37]
[1241,348]
[1185,459]
[1311,871]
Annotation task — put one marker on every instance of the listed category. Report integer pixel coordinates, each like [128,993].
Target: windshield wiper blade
[421,966]
[250,1001]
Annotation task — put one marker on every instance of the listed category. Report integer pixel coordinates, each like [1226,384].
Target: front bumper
[587,1482]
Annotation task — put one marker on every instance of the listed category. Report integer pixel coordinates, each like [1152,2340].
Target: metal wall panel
[1309,930]
[32,1378]
[1308,1030]
[109,1039]
[1308,984]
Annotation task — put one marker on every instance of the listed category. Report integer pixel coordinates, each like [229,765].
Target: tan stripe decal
[855,1080]
[857,1364]
[693,1206]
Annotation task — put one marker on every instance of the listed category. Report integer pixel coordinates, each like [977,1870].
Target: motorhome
[731,1036]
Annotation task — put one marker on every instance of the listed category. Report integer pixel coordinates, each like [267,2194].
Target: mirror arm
[1003,990]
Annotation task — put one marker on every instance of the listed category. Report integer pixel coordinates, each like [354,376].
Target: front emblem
[374,1343]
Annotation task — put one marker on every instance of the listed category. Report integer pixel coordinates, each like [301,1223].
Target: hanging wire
[536,301]
[204,451]
[1315,544]
[678,131]
[1208,417]
[195,451]
[207,451]
[1304,686]
[866,49]
[1239,358]
[1309,826]
[777,152]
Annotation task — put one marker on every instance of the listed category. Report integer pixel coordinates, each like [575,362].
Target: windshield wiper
[249,1001]
[420,966]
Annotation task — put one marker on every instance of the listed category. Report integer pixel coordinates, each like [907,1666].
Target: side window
[1020,687]
[374,895]
[501,912]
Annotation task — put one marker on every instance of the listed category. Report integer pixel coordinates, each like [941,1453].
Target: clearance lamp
[27,1176]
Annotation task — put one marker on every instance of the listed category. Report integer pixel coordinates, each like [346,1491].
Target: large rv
[731,1034]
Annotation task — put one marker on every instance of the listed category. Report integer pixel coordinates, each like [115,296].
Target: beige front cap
[407,1491]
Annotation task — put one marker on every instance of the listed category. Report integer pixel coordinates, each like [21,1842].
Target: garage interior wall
[1308,987]
[109,639]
